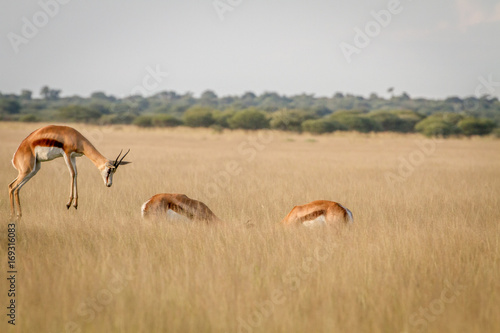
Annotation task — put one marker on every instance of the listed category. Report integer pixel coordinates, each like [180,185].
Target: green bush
[199,116]
[475,126]
[79,114]
[221,118]
[449,117]
[320,126]
[433,126]
[289,120]
[29,118]
[9,106]
[117,118]
[394,122]
[165,120]
[356,122]
[143,121]
[250,119]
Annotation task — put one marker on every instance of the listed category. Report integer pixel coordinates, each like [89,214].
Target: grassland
[423,254]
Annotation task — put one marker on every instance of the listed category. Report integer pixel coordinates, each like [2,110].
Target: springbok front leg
[72,173]
[75,180]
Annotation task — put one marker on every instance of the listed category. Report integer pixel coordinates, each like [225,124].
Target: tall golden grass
[422,255]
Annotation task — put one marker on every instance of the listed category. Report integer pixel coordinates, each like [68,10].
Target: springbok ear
[124,162]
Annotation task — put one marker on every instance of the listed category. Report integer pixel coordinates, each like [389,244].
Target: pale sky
[426,48]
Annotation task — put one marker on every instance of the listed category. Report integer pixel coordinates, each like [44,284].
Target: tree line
[297,113]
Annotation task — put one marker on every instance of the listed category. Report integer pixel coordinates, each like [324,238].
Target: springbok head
[111,167]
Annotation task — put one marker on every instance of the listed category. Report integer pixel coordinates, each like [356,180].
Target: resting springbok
[178,207]
[319,212]
[48,143]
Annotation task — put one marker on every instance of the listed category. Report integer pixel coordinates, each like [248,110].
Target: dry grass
[424,254]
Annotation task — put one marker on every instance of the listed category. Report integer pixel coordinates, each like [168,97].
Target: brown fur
[195,210]
[334,213]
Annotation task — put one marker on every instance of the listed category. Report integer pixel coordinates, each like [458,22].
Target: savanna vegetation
[299,113]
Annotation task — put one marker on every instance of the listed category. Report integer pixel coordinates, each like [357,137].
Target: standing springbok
[48,143]
[177,207]
[319,212]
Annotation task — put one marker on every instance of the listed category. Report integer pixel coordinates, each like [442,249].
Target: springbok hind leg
[16,186]
[11,198]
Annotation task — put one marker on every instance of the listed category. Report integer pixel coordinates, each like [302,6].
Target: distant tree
[26,95]
[208,98]
[356,122]
[289,120]
[248,98]
[9,106]
[453,99]
[302,101]
[166,120]
[387,120]
[117,118]
[137,102]
[342,112]
[78,113]
[338,95]
[143,121]
[434,126]
[99,95]
[320,126]
[54,94]
[408,120]
[199,116]
[100,107]
[29,118]
[271,101]
[395,121]
[250,119]
[45,92]
[404,97]
[50,94]
[221,118]
[473,126]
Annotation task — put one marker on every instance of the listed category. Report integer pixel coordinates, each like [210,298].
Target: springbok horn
[122,158]
[115,163]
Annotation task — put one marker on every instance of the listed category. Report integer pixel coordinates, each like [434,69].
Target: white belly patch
[320,220]
[173,216]
[48,153]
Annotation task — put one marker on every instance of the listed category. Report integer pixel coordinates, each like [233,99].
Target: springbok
[48,143]
[177,207]
[319,212]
